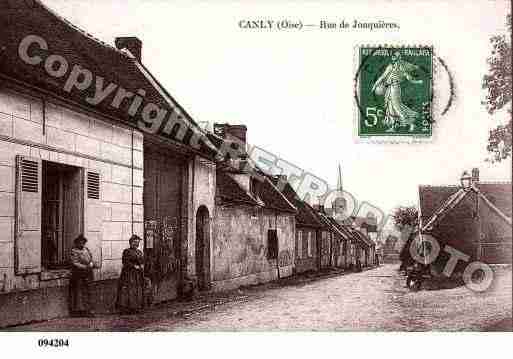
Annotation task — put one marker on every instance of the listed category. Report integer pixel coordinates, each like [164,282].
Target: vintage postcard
[247,166]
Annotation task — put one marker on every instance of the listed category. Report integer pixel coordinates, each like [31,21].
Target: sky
[294,89]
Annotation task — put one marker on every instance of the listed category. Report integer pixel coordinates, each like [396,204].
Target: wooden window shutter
[93,213]
[28,215]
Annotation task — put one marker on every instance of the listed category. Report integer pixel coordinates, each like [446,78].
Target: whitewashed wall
[72,138]
[202,191]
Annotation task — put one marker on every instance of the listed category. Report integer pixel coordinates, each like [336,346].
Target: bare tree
[499,87]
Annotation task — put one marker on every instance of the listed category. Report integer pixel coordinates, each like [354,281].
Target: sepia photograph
[241,168]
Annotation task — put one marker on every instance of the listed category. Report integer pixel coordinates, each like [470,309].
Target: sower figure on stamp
[131,282]
[389,85]
[81,277]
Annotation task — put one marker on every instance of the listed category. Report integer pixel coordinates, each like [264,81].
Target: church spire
[339,182]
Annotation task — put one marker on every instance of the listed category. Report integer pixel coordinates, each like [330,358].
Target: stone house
[325,239]
[363,248]
[337,242]
[474,220]
[353,245]
[369,248]
[79,154]
[308,230]
[253,224]
[340,245]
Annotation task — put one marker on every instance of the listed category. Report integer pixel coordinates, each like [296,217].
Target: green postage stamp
[394,92]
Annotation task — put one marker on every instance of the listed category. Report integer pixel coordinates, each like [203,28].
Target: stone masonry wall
[240,246]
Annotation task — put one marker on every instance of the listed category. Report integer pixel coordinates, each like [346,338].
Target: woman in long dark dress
[131,282]
[81,277]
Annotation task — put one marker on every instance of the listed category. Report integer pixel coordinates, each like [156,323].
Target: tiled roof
[340,230]
[228,190]
[366,240]
[370,224]
[348,230]
[355,234]
[437,201]
[499,194]
[324,220]
[271,196]
[79,48]
[306,215]
[265,194]
[447,205]
[432,197]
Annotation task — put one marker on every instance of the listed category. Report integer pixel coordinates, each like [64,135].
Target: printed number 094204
[53,343]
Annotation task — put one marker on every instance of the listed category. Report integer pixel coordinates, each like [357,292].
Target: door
[203,248]
[162,214]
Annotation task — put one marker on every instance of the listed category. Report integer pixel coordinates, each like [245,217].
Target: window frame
[62,271]
[272,248]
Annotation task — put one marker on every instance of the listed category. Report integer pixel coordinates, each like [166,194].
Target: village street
[373,300]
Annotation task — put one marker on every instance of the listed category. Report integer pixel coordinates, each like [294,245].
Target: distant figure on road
[131,282]
[81,277]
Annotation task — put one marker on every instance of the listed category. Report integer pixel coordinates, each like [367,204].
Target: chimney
[132,44]
[225,130]
[236,133]
[475,175]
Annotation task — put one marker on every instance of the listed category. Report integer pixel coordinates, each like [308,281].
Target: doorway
[203,248]
[164,175]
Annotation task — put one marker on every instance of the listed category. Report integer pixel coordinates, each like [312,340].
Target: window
[54,203]
[61,211]
[272,244]
[299,244]
[310,244]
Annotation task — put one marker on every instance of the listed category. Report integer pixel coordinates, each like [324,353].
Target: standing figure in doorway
[81,277]
[131,282]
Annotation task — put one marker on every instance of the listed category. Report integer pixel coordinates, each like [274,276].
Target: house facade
[72,174]
[474,220]
[253,225]
[326,239]
[340,245]
[78,155]
[308,230]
